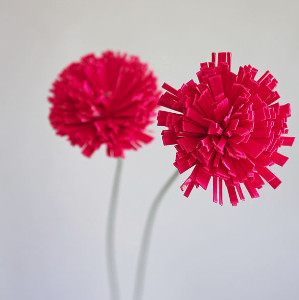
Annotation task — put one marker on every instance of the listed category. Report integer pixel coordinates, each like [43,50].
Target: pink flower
[228,127]
[105,100]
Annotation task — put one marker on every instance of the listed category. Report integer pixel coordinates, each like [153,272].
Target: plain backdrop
[54,201]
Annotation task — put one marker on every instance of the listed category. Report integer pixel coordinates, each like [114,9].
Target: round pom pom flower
[105,100]
[228,126]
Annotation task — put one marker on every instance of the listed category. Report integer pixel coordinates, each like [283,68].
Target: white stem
[110,248]
[143,252]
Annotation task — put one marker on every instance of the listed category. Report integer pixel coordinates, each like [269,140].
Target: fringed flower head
[105,100]
[228,126]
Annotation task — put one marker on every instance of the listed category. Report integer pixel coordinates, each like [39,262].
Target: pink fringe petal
[228,126]
[107,100]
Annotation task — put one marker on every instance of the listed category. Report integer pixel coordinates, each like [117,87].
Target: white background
[54,201]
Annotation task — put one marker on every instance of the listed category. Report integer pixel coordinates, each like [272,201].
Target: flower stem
[143,252]
[110,248]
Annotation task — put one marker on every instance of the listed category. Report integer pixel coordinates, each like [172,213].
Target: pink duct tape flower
[228,126]
[108,100]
